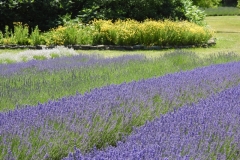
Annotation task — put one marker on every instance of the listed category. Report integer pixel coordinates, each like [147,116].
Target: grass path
[224,23]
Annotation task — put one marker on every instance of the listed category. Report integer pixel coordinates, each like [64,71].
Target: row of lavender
[106,115]
[64,62]
[38,81]
[209,129]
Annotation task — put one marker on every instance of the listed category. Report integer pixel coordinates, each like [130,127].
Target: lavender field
[178,106]
[209,129]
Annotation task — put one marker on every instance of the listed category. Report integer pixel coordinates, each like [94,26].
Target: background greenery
[50,13]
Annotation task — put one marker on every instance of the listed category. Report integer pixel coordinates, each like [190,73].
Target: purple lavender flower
[103,116]
[209,129]
[66,63]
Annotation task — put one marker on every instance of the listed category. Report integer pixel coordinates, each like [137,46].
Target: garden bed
[101,34]
[210,43]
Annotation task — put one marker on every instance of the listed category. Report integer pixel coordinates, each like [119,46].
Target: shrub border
[210,43]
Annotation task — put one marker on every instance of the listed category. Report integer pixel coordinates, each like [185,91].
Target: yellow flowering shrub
[120,32]
[152,32]
[149,32]
[105,32]
[55,36]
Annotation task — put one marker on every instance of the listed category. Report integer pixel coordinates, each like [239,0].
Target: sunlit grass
[224,23]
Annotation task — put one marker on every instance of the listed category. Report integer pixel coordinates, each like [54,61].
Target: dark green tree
[44,13]
[206,3]
[51,13]
[135,9]
[229,3]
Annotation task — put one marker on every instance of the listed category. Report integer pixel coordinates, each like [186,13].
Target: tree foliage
[141,9]
[193,13]
[44,13]
[232,3]
[206,3]
[50,13]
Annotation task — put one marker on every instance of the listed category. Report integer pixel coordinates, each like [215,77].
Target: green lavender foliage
[194,13]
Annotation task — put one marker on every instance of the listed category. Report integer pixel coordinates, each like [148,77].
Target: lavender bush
[27,55]
[38,81]
[63,63]
[209,129]
[104,116]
